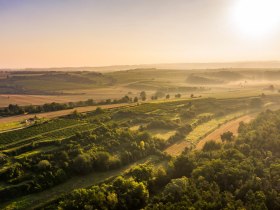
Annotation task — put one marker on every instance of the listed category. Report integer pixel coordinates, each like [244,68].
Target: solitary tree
[44,164]
[135,99]
[227,136]
[143,95]
[178,95]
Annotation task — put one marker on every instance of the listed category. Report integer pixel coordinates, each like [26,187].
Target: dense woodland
[241,173]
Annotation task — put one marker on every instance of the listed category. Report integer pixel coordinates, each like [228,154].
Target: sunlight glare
[256,18]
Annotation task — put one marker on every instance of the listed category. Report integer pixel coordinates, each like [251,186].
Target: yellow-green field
[10,126]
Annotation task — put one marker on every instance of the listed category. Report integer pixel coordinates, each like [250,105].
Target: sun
[256,18]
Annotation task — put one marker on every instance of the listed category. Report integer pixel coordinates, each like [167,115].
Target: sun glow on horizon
[124,32]
[256,19]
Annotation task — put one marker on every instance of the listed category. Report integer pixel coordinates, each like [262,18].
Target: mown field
[50,153]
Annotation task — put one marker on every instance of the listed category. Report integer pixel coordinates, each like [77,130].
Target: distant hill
[217,65]
[234,65]
[193,79]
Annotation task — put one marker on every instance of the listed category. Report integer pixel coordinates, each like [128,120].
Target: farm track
[232,125]
[177,148]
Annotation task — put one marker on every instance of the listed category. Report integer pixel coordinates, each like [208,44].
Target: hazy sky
[54,33]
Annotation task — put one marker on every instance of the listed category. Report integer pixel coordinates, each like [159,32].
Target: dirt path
[229,126]
[55,114]
[177,148]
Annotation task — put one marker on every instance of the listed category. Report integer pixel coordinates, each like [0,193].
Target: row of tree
[14,109]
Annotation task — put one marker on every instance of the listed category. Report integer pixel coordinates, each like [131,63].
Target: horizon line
[145,64]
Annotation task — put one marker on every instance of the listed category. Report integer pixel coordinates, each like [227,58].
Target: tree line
[14,109]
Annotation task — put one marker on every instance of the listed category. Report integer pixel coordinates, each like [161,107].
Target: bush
[211,145]
[82,163]
[43,165]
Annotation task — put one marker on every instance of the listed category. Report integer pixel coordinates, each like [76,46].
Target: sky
[60,33]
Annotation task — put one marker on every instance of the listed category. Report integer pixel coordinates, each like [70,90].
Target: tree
[101,160]
[82,163]
[167,96]
[15,109]
[44,164]
[142,172]
[135,99]
[131,194]
[98,110]
[176,188]
[75,114]
[142,145]
[94,198]
[227,136]
[178,95]
[211,145]
[124,99]
[143,96]
[183,166]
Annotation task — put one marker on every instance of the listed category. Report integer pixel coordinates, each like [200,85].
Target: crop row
[35,130]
